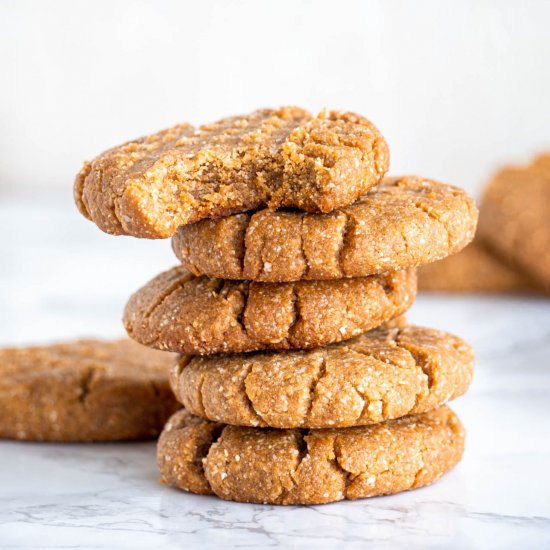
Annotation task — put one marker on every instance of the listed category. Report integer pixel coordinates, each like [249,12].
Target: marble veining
[56,283]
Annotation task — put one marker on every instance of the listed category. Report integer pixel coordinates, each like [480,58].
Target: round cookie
[308,466]
[86,390]
[277,157]
[400,223]
[381,375]
[177,311]
[514,218]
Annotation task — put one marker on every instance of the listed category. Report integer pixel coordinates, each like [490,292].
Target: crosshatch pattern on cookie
[280,158]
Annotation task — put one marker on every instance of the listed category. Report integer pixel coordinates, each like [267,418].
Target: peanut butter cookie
[515,219]
[474,269]
[151,186]
[400,223]
[177,311]
[380,375]
[308,466]
[87,390]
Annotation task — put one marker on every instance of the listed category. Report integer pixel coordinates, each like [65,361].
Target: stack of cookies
[300,380]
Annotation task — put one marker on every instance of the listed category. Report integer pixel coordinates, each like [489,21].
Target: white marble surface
[60,277]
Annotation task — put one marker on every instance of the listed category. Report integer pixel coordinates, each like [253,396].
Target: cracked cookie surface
[308,466]
[177,311]
[86,390]
[280,158]
[514,218]
[400,223]
[381,375]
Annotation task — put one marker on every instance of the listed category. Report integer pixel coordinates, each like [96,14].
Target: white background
[457,87]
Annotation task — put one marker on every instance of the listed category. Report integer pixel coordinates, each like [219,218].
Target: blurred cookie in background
[511,251]
[515,218]
[474,269]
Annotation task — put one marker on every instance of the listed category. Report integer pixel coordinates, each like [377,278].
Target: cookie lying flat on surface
[285,157]
[308,466]
[380,375]
[474,269]
[400,223]
[177,311]
[515,219]
[86,390]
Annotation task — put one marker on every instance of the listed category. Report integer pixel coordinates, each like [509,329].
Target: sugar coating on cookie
[381,375]
[86,390]
[177,311]
[400,223]
[308,466]
[281,158]
[514,218]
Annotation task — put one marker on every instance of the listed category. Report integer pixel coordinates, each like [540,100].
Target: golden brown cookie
[474,269]
[86,390]
[515,220]
[380,375]
[400,223]
[285,157]
[308,466]
[177,311]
